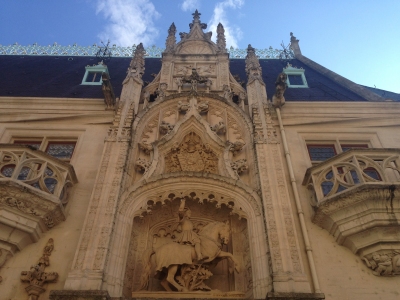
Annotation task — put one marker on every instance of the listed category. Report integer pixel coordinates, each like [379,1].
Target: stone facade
[205,183]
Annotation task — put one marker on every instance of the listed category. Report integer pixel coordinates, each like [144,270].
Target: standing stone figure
[188,235]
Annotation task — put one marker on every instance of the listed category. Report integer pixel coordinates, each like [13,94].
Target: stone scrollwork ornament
[384,264]
[36,276]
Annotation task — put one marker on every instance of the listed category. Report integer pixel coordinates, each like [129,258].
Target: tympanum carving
[191,155]
[191,253]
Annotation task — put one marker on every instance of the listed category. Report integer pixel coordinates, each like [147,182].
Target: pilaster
[286,264]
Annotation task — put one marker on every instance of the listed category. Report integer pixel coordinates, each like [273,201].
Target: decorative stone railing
[118,51]
[33,192]
[357,199]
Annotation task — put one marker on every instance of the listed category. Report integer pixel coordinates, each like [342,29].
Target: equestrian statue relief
[184,263]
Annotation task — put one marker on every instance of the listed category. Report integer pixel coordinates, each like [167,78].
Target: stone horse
[169,257]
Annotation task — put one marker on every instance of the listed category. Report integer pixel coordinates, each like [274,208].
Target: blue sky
[357,39]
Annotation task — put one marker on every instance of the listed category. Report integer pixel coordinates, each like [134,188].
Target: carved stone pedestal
[34,291]
[294,296]
[79,295]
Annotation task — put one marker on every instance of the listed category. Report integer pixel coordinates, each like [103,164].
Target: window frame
[45,142]
[99,68]
[290,70]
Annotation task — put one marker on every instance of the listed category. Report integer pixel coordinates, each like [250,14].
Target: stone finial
[253,68]
[280,86]
[294,45]
[136,67]
[171,40]
[221,41]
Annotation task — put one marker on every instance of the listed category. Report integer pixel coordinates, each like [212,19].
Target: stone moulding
[358,199]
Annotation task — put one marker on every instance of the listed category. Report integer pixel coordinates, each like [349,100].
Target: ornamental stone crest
[191,155]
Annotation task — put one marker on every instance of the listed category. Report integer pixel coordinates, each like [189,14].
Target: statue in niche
[183,107]
[166,127]
[219,127]
[179,82]
[202,107]
[177,262]
[146,99]
[227,92]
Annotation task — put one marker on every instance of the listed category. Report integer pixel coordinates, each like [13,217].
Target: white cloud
[232,33]
[130,22]
[190,5]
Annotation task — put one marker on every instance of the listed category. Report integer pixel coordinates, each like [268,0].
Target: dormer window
[295,77]
[93,74]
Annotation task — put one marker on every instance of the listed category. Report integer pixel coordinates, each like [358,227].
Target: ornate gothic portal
[170,233]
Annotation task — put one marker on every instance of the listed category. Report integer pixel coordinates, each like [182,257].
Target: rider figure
[188,235]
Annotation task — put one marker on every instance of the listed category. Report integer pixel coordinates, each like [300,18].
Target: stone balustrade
[357,198]
[33,193]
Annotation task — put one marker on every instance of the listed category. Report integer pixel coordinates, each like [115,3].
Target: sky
[358,39]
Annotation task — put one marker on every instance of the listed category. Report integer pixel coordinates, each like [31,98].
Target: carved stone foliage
[384,263]
[191,155]
[142,165]
[36,276]
[239,166]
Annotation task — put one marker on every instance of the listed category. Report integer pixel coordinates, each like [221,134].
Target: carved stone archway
[231,194]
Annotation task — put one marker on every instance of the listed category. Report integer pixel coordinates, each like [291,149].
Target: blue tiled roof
[61,77]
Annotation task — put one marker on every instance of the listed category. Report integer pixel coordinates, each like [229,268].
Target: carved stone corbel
[36,276]
[183,107]
[383,264]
